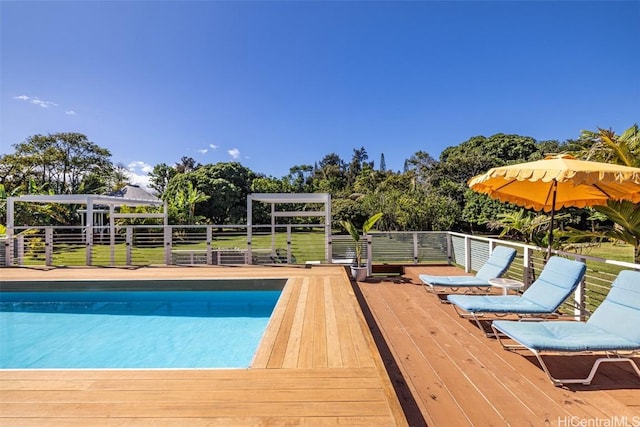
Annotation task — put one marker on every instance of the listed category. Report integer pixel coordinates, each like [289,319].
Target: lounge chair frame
[611,332]
[496,265]
[607,357]
[479,316]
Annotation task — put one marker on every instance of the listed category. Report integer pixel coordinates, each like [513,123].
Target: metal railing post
[369,256]
[8,248]
[209,242]
[20,249]
[250,244]
[467,254]
[526,270]
[580,311]
[128,244]
[167,245]
[88,244]
[415,248]
[329,250]
[289,244]
[48,246]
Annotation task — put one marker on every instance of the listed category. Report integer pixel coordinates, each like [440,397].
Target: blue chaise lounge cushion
[497,264]
[558,279]
[615,325]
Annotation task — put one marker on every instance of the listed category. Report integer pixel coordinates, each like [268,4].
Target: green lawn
[599,274]
[615,251]
[305,246]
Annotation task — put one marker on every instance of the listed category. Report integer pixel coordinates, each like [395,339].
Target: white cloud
[36,101]
[234,153]
[70,113]
[42,103]
[138,173]
[145,167]
[206,150]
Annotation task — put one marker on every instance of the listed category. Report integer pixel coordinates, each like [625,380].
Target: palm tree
[530,228]
[608,147]
[623,150]
[626,217]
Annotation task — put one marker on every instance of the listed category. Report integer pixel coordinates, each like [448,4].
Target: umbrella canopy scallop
[577,183]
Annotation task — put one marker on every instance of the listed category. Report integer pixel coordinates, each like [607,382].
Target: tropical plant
[183,205]
[355,233]
[607,146]
[532,229]
[626,226]
[623,149]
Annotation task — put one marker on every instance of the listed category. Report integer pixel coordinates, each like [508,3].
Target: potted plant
[358,271]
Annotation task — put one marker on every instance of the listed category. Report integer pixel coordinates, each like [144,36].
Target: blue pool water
[132,329]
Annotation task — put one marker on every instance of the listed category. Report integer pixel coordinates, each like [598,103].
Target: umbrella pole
[553,212]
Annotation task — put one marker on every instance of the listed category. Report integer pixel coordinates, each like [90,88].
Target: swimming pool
[138,329]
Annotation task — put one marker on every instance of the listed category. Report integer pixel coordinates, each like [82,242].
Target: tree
[160,177]
[228,184]
[522,225]
[266,184]
[369,180]
[623,149]
[626,218]
[357,165]
[329,176]
[421,163]
[186,165]
[33,214]
[183,205]
[59,162]
[300,179]
[480,209]
[606,146]
[345,209]
[119,178]
[477,155]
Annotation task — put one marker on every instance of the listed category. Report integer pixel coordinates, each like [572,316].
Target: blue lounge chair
[613,328]
[558,279]
[497,264]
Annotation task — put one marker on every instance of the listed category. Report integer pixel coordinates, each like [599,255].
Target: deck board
[458,376]
[318,364]
[297,377]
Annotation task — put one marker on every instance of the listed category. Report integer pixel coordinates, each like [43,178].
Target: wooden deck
[316,365]
[457,376]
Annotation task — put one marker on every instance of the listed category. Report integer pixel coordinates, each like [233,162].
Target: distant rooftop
[134,192]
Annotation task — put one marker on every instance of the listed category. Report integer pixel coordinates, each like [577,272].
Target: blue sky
[273,84]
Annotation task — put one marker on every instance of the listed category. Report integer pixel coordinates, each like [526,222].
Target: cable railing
[140,245]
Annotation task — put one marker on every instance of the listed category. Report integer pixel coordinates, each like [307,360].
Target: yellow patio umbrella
[557,182]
